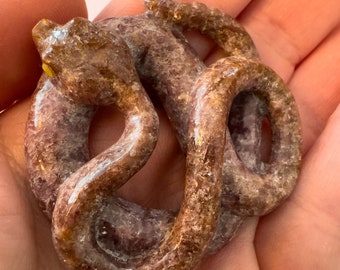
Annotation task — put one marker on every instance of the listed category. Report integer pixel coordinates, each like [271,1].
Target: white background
[95,6]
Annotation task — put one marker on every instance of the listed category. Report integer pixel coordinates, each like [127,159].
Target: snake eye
[48,70]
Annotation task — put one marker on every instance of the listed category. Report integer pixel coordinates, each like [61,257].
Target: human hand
[302,50]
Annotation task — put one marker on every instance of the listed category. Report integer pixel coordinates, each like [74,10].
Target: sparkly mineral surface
[217,113]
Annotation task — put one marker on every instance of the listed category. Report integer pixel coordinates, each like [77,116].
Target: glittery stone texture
[217,114]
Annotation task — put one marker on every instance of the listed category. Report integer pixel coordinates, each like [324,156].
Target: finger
[316,87]
[121,8]
[308,223]
[285,32]
[20,65]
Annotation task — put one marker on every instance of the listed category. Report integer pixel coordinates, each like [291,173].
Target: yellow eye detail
[48,70]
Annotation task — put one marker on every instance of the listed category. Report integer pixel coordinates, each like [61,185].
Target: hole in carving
[250,130]
[266,140]
[106,128]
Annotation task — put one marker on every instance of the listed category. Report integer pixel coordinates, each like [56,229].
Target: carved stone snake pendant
[216,112]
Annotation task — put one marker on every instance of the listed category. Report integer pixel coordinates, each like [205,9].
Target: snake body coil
[103,64]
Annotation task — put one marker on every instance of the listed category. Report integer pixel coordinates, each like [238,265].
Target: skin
[299,48]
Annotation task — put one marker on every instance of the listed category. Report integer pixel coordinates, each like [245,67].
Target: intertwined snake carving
[216,112]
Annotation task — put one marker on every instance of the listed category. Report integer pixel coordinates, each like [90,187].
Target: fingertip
[121,8]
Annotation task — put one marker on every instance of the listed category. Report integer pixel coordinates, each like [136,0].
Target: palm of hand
[305,225]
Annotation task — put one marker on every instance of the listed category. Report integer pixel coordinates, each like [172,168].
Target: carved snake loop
[217,113]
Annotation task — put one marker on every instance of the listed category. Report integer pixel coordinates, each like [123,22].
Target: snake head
[87,61]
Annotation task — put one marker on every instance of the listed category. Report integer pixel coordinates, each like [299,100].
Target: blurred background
[95,6]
